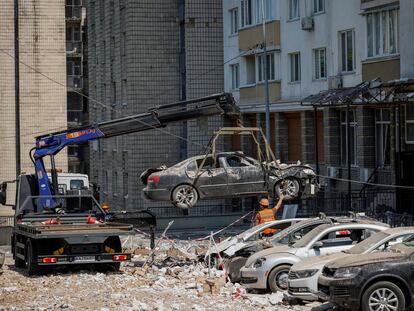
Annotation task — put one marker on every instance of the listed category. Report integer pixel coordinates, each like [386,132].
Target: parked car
[269,268]
[371,282]
[303,276]
[290,235]
[232,244]
[227,174]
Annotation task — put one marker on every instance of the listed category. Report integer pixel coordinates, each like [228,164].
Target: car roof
[399,230]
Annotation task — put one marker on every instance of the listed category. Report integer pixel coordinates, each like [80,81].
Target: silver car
[269,269]
[226,174]
[303,276]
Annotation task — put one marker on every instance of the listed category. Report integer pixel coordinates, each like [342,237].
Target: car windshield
[307,238]
[409,242]
[282,237]
[250,231]
[366,244]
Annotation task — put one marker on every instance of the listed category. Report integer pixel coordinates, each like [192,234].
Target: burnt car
[226,174]
[371,282]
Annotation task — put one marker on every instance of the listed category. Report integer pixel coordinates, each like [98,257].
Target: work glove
[59,210]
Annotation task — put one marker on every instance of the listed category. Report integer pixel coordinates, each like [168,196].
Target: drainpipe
[17,86]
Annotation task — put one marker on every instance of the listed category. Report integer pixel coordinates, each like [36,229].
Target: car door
[244,177]
[212,178]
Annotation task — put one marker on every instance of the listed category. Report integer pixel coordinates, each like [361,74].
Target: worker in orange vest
[266,214]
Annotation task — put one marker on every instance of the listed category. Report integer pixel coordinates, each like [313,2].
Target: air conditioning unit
[333,171]
[308,23]
[335,82]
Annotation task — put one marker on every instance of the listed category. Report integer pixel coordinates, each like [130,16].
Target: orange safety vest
[264,216]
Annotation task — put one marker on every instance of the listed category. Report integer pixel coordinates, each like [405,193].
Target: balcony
[74,48]
[75,118]
[253,94]
[73,12]
[74,82]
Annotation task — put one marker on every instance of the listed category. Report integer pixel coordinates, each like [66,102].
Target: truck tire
[32,267]
[289,187]
[18,262]
[388,293]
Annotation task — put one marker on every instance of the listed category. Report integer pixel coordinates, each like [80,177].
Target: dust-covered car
[226,174]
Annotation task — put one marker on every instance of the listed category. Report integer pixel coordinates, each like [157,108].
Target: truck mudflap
[52,260]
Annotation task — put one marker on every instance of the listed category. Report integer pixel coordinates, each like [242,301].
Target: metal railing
[73,11]
[74,81]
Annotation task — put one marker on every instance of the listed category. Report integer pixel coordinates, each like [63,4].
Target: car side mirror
[3,193]
[318,244]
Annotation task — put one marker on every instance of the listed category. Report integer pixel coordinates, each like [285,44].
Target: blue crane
[156,117]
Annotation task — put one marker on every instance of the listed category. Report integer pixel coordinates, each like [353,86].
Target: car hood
[269,252]
[364,259]
[317,262]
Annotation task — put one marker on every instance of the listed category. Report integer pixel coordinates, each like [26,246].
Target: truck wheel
[18,263]
[278,278]
[32,267]
[383,296]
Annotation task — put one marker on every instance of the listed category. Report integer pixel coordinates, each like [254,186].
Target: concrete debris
[177,284]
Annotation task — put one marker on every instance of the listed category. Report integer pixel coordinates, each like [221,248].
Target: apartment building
[42,103]
[314,46]
[143,54]
[76,80]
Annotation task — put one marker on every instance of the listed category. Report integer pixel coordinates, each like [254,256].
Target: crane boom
[156,117]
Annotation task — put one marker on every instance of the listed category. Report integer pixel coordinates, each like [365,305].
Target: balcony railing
[74,47]
[74,82]
[73,11]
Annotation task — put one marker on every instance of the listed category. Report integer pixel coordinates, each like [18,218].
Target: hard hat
[264,202]
[105,205]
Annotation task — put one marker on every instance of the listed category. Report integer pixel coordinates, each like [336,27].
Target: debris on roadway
[172,280]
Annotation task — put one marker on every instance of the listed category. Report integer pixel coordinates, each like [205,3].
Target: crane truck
[51,229]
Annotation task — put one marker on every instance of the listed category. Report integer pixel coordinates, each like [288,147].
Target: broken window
[208,164]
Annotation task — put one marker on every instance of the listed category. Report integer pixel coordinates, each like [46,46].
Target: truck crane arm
[156,117]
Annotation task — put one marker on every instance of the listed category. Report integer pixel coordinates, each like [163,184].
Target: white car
[303,276]
[231,245]
[269,268]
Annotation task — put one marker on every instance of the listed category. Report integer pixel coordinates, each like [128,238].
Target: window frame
[318,2]
[408,121]
[235,76]
[293,65]
[341,50]
[382,123]
[292,13]
[352,124]
[260,77]
[377,46]
[317,67]
[246,13]
[234,21]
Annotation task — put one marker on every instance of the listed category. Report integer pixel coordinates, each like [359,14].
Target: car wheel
[278,278]
[184,196]
[383,296]
[288,187]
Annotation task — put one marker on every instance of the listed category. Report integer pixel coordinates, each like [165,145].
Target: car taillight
[119,257]
[50,260]
[154,179]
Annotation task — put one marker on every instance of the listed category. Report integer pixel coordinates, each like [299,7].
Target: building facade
[143,54]
[42,102]
[313,46]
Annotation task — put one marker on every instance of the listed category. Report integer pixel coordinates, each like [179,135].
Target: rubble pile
[174,280]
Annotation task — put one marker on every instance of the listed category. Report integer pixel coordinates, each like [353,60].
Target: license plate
[84,258]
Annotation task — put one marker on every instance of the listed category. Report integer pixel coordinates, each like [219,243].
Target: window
[270,10]
[73,33]
[115,182]
[294,59]
[294,9]
[234,76]
[352,137]
[409,124]
[73,68]
[234,21]
[382,137]
[246,12]
[346,41]
[250,70]
[382,33]
[319,64]
[318,6]
[77,184]
[270,67]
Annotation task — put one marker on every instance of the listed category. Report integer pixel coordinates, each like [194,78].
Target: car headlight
[259,262]
[347,272]
[306,273]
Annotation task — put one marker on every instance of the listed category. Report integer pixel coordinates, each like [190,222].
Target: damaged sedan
[226,174]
